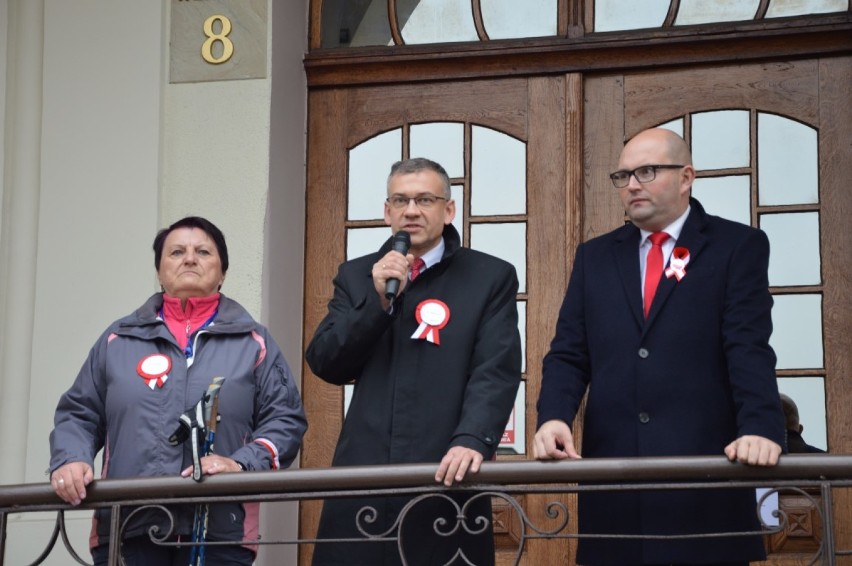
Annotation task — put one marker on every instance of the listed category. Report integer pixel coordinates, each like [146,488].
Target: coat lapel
[626,250]
[691,238]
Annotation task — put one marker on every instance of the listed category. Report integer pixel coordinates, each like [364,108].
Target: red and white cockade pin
[432,315]
[677,264]
[154,369]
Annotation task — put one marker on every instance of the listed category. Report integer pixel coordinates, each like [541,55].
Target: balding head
[655,204]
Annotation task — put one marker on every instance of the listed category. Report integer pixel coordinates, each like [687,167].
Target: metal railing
[505,480]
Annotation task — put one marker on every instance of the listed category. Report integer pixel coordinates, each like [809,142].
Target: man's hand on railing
[456,463]
[554,441]
[753,450]
[69,481]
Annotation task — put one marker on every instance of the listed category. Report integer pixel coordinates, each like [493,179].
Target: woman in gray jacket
[146,370]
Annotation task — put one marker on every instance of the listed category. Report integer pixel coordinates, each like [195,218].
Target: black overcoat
[414,399]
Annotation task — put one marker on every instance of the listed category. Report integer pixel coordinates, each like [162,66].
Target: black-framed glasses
[643,174]
[422,201]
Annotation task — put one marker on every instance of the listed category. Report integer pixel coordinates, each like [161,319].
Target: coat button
[643,353]
[489,440]
[644,418]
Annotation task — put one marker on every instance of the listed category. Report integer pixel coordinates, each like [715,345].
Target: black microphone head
[401,242]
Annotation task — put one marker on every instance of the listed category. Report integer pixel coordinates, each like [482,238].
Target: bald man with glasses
[666,325]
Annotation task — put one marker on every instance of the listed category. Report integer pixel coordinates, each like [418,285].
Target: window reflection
[782,8]
[522,328]
[809,395]
[794,241]
[728,197]
[613,15]
[720,139]
[498,173]
[442,142]
[507,241]
[363,241]
[515,433]
[797,331]
[436,21]
[369,164]
[787,161]
[357,23]
[704,12]
[506,19]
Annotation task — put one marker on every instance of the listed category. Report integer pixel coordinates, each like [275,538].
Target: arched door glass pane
[498,173]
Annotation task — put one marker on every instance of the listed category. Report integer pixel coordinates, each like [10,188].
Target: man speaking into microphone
[427,331]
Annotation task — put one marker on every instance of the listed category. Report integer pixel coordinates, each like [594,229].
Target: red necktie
[653,267]
[416,268]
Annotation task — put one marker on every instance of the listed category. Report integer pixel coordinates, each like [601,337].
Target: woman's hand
[69,481]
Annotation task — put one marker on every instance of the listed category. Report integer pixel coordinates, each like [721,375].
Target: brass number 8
[222,37]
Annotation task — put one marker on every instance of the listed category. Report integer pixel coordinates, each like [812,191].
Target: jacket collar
[627,249]
[146,323]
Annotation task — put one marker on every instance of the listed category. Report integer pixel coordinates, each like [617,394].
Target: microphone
[401,243]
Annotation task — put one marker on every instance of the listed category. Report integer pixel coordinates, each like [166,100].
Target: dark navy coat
[696,375]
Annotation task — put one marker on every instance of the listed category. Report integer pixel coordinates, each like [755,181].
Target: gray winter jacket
[112,406]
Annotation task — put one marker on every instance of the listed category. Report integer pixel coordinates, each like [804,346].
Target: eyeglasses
[643,174]
[422,201]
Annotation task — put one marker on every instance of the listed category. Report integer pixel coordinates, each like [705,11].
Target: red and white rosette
[154,369]
[677,264]
[432,315]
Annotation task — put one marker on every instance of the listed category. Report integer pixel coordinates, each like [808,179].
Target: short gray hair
[416,165]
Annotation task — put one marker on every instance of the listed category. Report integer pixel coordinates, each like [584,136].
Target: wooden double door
[572,127]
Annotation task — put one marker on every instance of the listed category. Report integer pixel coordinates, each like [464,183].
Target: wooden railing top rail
[326,482]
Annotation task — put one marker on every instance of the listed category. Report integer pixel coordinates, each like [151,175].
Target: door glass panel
[436,21]
[522,328]
[728,197]
[808,393]
[363,241]
[612,15]
[498,173]
[355,23]
[369,165]
[720,140]
[514,436]
[507,241]
[782,8]
[704,12]
[505,19]
[794,239]
[458,196]
[797,331]
[787,163]
[442,142]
